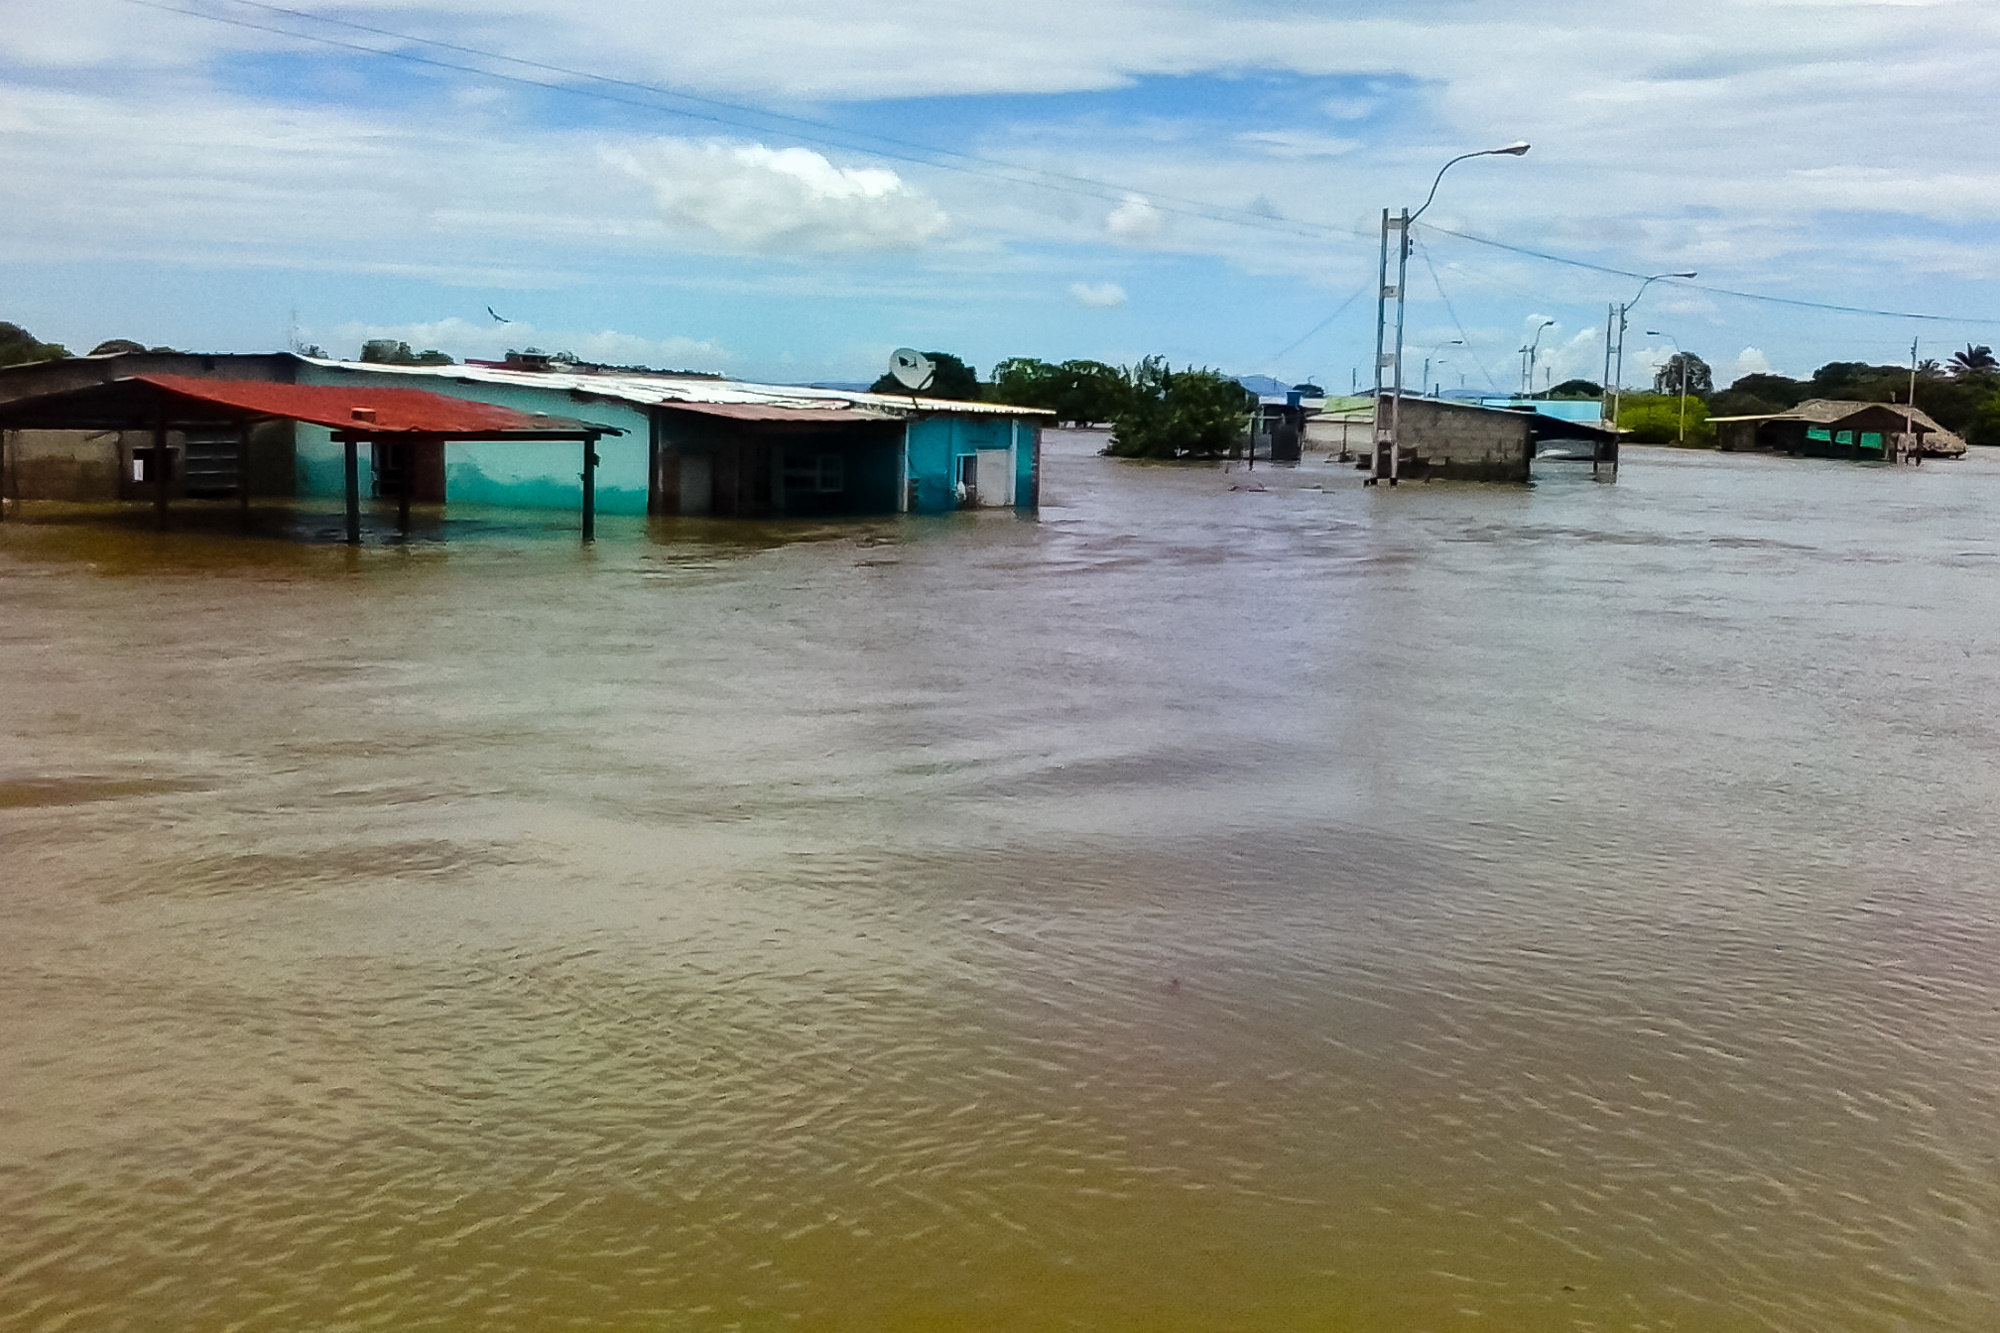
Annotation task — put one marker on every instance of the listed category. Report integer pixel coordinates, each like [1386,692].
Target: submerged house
[1457,441]
[705,445]
[672,444]
[1839,428]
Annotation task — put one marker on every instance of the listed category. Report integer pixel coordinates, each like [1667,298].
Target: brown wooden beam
[162,470]
[351,463]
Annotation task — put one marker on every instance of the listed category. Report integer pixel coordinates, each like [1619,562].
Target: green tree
[393,352]
[1976,359]
[1092,391]
[1700,379]
[1023,381]
[954,380]
[1179,414]
[1984,427]
[1651,418]
[18,347]
[1779,390]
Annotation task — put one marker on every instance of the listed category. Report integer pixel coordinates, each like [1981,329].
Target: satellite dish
[912,369]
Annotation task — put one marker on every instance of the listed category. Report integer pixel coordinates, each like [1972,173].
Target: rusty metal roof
[367,409]
[140,402]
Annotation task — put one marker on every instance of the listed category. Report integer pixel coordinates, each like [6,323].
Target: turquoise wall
[545,474]
[937,443]
[317,466]
[539,474]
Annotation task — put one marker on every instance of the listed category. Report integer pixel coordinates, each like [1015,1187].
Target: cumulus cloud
[1135,221]
[1750,361]
[781,200]
[1098,295]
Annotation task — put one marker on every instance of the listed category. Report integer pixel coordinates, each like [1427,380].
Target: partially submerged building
[1459,441]
[1840,428]
[673,444]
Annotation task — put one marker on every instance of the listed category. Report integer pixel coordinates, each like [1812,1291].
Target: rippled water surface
[1202,907]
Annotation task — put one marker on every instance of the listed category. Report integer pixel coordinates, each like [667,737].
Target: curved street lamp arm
[1511,150]
[1650,281]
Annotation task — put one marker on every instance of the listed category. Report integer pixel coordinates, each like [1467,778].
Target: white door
[996,477]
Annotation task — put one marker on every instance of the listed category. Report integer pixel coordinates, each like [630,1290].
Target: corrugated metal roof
[370,408]
[667,390]
[138,402]
[833,414]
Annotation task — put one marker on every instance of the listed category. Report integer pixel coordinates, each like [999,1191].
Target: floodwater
[1202,907]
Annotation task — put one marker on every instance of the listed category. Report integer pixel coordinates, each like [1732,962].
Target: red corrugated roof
[362,407]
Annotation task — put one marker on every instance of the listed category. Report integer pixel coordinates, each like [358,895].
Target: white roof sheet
[664,390]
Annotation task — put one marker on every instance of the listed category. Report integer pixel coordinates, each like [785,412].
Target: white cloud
[1294,144]
[1098,295]
[781,200]
[486,340]
[1135,221]
[1750,361]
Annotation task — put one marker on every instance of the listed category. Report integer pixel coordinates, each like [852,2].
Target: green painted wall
[540,474]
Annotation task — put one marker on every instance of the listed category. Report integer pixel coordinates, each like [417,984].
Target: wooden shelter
[1840,428]
[408,429]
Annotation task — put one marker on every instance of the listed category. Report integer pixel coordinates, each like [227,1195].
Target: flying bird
[497,316]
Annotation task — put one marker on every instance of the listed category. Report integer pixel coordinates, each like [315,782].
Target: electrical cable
[1339,310]
[1456,322]
[929,155]
[900,150]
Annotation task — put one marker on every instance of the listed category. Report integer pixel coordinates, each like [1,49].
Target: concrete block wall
[1456,442]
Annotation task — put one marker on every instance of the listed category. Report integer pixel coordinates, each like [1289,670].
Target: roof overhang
[840,415]
[142,402]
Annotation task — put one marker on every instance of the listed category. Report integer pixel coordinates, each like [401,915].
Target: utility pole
[1681,357]
[1910,407]
[1604,386]
[1618,369]
[1391,437]
[1381,329]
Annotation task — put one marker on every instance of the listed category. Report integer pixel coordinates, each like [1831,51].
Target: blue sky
[783,189]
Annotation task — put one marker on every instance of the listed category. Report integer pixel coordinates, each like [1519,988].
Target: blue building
[701,445]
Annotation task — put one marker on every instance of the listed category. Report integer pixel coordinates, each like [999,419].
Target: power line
[819,132]
[1339,310]
[1705,287]
[1457,323]
[830,135]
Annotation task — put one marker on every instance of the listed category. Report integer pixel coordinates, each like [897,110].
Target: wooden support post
[407,451]
[162,469]
[243,474]
[351,462]
[590,488]
[3,474]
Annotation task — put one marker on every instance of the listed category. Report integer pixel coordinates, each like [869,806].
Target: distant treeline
[1962,395]
[1154,410]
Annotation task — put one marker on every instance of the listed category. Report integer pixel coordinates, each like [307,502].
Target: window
[825,474]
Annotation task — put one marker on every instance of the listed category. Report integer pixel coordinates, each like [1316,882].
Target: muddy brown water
[1305,907]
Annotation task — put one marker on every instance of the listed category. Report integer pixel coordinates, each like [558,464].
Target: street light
[1435,349]
[1617,319]
[1528,363]
[1680,356]
[1401,226]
